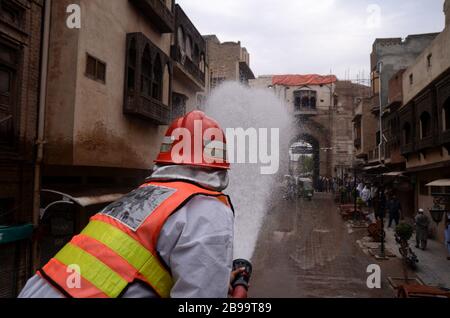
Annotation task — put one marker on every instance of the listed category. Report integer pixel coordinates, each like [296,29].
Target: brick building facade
[228,61]
[20,47]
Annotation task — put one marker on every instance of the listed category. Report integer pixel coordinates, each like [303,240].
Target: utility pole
[380,146]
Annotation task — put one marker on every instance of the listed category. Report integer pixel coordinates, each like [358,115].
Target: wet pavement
[304,250]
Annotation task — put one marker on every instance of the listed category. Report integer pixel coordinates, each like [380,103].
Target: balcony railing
[445,137]
[305,111]
[427,142]
[137,101]
[148,108]
[158,13]
[188,65]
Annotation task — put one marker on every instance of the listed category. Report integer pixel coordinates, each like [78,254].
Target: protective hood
[212,179]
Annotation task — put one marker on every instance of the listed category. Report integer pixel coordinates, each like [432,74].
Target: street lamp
[437,213]
[441,200]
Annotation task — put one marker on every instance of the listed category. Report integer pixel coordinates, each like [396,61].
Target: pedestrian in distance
[422,225]
[380,205]
[394,209]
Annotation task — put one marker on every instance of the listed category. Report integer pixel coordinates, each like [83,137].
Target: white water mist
[236,106]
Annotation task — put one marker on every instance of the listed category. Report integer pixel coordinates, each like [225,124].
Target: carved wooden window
[181,42]
[132,65]
[202,63]
[446,115]
[9,67]
[406,134]
[425,125]
[189,47]
[196,58]
[157,79]
[305,99]
[12,13]
[146,75]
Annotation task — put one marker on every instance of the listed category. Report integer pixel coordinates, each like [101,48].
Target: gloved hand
[233,277]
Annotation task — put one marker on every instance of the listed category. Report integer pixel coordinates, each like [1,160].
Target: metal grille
[14,263]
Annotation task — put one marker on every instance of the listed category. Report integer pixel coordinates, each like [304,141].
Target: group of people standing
[384,201]
[327,184]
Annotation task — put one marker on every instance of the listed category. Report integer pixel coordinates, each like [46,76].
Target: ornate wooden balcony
[158,13]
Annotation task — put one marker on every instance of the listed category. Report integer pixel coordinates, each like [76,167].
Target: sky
[313,36]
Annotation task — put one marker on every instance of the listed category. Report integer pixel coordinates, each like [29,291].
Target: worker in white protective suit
[171,237]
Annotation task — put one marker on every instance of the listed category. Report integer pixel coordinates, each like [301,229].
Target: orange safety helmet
[194,140]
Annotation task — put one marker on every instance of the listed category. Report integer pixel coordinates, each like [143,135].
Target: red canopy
[300,80]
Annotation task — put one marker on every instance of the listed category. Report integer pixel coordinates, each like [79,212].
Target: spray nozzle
[243,278]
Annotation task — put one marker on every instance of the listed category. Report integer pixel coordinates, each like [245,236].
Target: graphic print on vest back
[133,209]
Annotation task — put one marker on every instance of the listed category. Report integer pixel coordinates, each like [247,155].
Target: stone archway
[315,131]
[311,140]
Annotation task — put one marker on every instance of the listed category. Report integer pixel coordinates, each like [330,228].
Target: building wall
[396,54]
[395,93]
[17,160]
[85,121]
[347,96]
[369,127]
[432,162]
[439,50]
[224,59]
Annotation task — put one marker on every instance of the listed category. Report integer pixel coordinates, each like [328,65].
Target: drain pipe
[383,236]
[41,126]
[380,145]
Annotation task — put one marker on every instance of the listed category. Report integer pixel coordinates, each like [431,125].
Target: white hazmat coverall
[196,243]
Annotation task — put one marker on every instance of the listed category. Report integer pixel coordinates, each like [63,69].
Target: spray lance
[241,283]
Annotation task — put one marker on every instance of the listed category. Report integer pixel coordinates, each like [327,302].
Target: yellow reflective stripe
[93,270]
[134,253]
[158,277]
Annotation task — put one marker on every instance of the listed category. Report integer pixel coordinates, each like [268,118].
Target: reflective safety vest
[119,245]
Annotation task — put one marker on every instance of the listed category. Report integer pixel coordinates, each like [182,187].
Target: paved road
[305,250]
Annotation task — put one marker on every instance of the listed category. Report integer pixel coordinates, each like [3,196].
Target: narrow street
[305,250]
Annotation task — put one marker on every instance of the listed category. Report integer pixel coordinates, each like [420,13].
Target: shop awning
[301,80]
[439,183]
[373,167]
[10,234]
[394,174]
[91,197]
